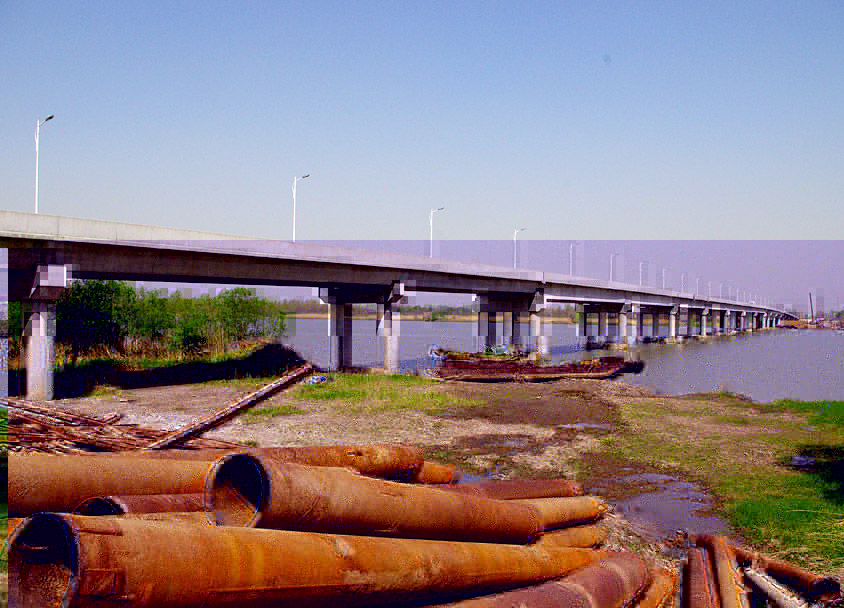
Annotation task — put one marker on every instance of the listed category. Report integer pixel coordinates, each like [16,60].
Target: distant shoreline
[415,317]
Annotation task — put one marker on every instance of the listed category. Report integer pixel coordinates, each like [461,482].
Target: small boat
[491,370]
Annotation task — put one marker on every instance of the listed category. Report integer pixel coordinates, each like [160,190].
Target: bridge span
[46,252]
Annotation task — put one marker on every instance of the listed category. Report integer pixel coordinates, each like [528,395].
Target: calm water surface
[764,365]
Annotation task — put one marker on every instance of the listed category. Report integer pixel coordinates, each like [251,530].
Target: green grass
[375,393]
[822,413]
[273,411]
[739,450]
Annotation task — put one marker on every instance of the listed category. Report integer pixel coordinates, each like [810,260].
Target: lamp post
[641,274]
[296,179]
[431,234]
[38,124]
[515,238]
[571,259]
[612,266]
[664,270]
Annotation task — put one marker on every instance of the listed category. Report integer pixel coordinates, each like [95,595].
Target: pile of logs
[322,525]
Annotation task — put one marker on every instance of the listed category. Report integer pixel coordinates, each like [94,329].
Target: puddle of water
[469,478]
[647,478]
[580,426]
[656,514]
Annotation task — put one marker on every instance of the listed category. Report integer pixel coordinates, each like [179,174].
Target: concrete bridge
[46,252]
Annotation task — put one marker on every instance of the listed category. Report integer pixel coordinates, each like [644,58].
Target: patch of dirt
[544,404]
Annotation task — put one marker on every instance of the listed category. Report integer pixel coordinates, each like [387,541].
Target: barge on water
[483,368]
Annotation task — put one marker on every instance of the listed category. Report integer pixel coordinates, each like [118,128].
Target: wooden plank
[206,424]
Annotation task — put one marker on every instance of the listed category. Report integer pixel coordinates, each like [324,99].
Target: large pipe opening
[236,491]
[42,562]
[100,506]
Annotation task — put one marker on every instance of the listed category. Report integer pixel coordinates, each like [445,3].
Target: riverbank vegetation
[777,469]
[109,319]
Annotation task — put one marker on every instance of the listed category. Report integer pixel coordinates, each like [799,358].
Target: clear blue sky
[575,120]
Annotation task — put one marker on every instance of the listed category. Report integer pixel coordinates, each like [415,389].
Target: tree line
[111,317]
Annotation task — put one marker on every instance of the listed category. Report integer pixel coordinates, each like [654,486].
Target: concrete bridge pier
[340,301]
[340,335]
[673,315]
[582,320]
[703,322]
[538,328]
[512,328]
[539,332]
[40,351]
[638,323]
[622,325]
[603,322]
[49,281]
[387,325]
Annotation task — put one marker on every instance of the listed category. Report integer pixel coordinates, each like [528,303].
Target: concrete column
[583,321]
[538,332]
[639,323]
[622,327]
[486,329]
[703,324]
[672,325]
[603,322]
[40,351]
[512,328]
[387,325]
[340,334]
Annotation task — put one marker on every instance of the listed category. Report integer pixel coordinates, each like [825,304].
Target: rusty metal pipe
[435,473]
[698,587]
[113,562]
[814,586]
[143,503]
[193,517]
[243,490]
[660,590]
[776,592]
[730,590]
[563,512]
[613,582]
[52,482]
[576,536]
[514,489]
[387,460]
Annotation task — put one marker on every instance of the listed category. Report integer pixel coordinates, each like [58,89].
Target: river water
[769,365]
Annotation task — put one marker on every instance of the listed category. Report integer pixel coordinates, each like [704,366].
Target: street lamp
[431,226]
[515,237]
[612,265]
[571,259]
[664,270]
[296,179]
[641,274]
[38,124]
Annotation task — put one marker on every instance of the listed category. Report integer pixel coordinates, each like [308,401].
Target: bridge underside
[40,268]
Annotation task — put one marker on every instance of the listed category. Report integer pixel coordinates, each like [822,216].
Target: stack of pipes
[322,525]
[720,574]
